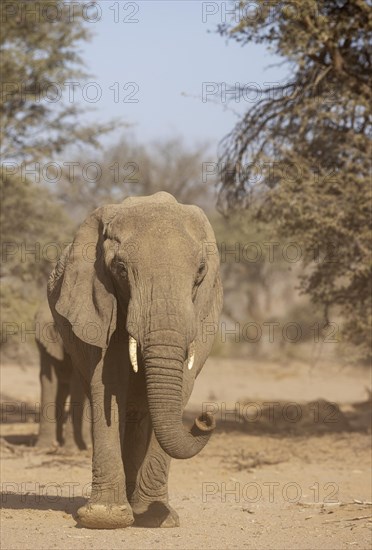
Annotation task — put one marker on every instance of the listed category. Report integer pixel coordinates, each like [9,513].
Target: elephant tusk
[133,353]
[190,362]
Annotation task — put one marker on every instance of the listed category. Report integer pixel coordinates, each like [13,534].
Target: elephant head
[155,262]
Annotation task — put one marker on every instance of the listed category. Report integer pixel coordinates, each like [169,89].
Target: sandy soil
[289,466]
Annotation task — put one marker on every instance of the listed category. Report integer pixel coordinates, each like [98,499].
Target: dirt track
[268,478]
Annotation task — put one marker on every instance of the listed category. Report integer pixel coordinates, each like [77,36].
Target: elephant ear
[46,333]
[86,297]
[209,296]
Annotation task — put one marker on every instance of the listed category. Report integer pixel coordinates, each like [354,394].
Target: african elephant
[58,381]
[131,296]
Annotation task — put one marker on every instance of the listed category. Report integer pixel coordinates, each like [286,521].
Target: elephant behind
[58,381]
[136,298]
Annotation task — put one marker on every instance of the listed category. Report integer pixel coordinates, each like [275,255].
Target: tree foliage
[299,157]
[39,54]
[131,168]
[34,232]
[39,48]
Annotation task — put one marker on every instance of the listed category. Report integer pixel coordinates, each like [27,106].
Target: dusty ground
[288,468]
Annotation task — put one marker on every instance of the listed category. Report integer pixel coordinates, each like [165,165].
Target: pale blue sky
[168,54]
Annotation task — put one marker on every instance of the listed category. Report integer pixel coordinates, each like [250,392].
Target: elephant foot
[46,445]
[156,514]
[71,446]
[71,449]
[105,516]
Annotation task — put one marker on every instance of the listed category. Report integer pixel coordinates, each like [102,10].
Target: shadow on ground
[30,501]
[251,417]
[289,418]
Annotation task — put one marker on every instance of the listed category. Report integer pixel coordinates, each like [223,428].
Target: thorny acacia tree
[41,78]
[299,157]
[39,44]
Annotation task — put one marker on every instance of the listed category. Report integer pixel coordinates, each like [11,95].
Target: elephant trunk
[164,380]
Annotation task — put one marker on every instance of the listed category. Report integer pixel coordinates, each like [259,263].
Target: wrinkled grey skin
[146,268]
[58,381]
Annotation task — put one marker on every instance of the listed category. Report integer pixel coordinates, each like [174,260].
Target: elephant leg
[73,439]
[146,464]
[86,428]
[108,507]
[147,469]
[48,380]
[83,424]
[62,395]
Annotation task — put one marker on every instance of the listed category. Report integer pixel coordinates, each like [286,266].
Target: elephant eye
[201,273]
[121,269]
